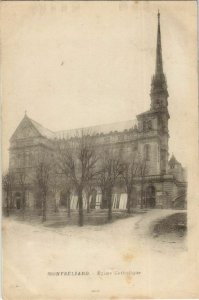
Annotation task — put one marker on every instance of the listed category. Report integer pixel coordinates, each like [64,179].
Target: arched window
[147,151]
[149,124]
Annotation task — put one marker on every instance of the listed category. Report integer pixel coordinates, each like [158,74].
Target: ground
[122,259]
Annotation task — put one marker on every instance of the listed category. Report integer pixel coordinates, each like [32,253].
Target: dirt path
[30,252]
[145,224]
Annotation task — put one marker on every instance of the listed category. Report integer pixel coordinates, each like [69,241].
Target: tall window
[147,151]
[149,124]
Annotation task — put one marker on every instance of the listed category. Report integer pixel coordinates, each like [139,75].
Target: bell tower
[153,124]
[159,102]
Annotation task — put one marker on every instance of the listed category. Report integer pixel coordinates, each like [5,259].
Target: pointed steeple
[159,84]
[159,65]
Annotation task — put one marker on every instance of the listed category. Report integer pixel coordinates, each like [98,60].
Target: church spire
[159,65]
[159,93]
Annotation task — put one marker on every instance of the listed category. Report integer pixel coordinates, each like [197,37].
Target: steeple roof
[159,64]
[158,84]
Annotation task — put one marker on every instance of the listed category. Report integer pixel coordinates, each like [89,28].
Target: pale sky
[76,64]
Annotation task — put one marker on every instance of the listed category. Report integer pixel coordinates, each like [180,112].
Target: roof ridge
[93,126]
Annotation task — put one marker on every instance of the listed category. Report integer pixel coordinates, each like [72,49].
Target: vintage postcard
[99,150]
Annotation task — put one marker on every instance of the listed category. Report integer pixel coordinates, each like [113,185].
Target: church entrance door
[150,197]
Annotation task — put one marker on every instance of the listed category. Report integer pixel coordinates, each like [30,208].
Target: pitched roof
[98,129]
[42,130]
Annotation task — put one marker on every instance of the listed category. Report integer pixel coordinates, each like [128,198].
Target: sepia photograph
[100,162]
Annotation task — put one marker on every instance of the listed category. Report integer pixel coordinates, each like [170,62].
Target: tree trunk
[88,204]
[68,206]
[23,204]
[7,206]
[44,209]
[128,201]
[56,206]
[80,201]
[142,194]
[109,194]
[103,204]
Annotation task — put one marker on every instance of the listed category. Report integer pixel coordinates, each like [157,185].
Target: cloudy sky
[75,64]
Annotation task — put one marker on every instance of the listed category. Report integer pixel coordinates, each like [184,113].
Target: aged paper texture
[101,200]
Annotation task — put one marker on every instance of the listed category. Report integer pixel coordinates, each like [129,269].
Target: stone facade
[164,185]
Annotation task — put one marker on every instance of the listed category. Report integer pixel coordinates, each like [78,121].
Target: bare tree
[43,177]
[110,170]
[23,184]
[56,182]
[68,201]
[55,188]
[7,184]
[77,159]
[68,188]
[88,192]
[130,170]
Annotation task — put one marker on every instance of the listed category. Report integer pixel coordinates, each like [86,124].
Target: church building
[165,182]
